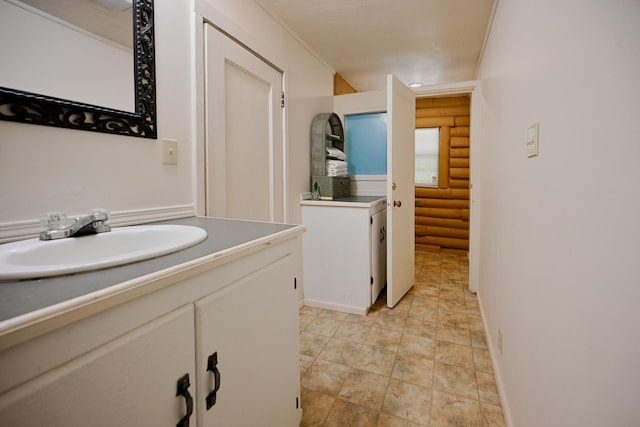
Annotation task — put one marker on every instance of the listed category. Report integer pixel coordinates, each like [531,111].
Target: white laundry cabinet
[161,349]
[344,252]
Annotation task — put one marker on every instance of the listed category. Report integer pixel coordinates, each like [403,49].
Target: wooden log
[441,193]
[445,242]
[419,247]
[341,86]
[434,122]
[441,222]
[459,183]
[442,203]
[459,173]
[456,110]
[460,193]
[460,130]
[458,152]
[460,252]
[427,248]
[443,158]
[420,230]
[441,102]
[459,141]
[439,212]
[433,193]
[459,162]
[463,120]
[455,233]
[465,214]
[451,100]
[424,102]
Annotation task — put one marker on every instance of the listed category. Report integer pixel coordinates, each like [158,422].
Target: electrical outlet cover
[532,140]
[169,151]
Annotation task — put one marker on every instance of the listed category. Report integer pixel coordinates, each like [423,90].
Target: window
[427,151]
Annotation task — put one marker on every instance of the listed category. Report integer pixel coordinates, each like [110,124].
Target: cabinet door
[252,328]
[131,381]
[337,257]
[378,253]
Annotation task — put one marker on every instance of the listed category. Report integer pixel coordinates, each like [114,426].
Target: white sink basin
[34,258]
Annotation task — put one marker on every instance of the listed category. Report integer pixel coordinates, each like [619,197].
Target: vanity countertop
[353,201]
[226,238]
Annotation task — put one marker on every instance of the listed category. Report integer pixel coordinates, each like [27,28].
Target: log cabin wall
[341,86]
[442,214]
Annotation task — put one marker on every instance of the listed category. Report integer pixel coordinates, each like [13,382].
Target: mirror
[131,114]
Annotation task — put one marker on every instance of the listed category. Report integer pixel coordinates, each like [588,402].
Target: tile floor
[423,363]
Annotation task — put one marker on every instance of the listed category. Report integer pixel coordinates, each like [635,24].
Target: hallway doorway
[442,203]
[474,90]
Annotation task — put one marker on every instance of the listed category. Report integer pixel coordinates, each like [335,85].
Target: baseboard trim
[499,382]
[335,307]
[19,230]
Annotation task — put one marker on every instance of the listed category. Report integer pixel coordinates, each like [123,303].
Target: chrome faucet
[95,222]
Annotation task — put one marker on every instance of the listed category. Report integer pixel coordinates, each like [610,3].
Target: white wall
[560,254]
[44,168]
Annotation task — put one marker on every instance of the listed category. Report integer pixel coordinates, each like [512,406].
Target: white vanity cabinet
[344,252]
[125,361]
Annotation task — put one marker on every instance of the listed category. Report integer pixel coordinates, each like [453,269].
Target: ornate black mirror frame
[27,107]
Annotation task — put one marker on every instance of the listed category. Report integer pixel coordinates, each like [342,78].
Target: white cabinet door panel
[244,133]
[130,381]
[378,253]
[252,326]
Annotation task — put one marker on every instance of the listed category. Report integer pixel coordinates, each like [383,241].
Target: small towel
[336,164]
[334,153]
[336,168]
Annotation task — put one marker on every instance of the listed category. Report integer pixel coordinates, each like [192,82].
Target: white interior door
[244,170]
[401,107]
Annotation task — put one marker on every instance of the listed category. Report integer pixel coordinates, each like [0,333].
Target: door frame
[206,13]
[474,89]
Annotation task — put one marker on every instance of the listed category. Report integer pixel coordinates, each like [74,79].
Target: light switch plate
[169,152]
[532,140]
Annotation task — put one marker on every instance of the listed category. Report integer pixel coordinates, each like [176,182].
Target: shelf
[327,132]
[333,138]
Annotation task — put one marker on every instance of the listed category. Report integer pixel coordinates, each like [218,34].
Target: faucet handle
[100,212]
[53,221]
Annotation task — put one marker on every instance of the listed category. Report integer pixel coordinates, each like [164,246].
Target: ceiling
[425,41]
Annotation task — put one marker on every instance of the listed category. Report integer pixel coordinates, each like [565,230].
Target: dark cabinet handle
[212,366]
[183,390]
